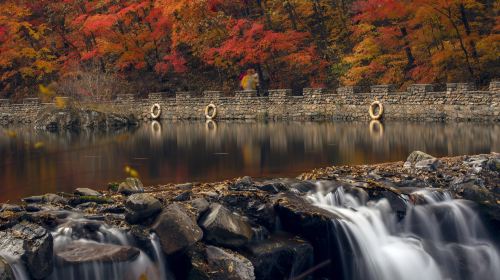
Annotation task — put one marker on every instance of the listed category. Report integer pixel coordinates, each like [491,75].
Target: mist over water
[35,162]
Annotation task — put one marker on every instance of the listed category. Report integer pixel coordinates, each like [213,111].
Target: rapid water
[83,232]
[440,238]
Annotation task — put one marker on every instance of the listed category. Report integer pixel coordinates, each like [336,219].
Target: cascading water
[440,238]
[88,235]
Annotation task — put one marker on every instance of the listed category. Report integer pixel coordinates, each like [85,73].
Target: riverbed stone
[176,230]
[199,205]
[222,227]
[32,244]
[6,272]
[280,257]
[243,184]
[184,196]
[10,207]
[33,199]
[88,252]
[141,206]
[131,186]
[214,263]
[428,164]
[87,192]
[54,198]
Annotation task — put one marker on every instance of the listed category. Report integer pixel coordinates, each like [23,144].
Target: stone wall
[462,102]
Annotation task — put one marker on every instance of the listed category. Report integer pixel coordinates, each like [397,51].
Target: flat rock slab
[86,252]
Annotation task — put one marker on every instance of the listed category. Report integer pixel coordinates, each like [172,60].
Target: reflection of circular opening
[156,129]
[376,129]
[210,125]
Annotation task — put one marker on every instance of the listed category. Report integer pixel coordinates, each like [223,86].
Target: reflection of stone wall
[419,102]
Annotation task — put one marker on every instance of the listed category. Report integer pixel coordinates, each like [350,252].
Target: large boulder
[280,257]
[213,263]
[416,157]
[130,186]
[222,227]
[299,216]
[141,206]
[176,230]
[32,244]
[88,252]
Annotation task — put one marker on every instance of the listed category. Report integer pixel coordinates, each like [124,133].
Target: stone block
[156,96]
[494,86]
[346,90]
[460,87]
[31,101]
[382,89]
[4,102]
[125,98]
[212,96]
[245,94]
[313,91]
[420,88]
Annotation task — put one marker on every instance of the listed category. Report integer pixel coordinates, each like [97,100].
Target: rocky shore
[236,229]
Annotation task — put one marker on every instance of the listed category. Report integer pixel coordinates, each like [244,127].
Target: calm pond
[36,162]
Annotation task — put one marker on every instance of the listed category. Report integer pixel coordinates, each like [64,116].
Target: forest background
[96,49]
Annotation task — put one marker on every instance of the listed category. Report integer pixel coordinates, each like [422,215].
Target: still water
[36,162]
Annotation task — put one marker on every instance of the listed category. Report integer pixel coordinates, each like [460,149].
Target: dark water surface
[35,162]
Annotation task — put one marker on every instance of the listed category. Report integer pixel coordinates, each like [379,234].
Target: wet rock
[222,227]
[300,217]
[494,164]
[141,206]
[220,264]
[252,206]
[54,198]
[113,209]
[243,184]
[6,272]
[10,207]
[417,156]
[87,192]
[272,186]
[200,205]
[91,201]
[32,244]
[176,230]
[183,196]
[299,186]
[280,257]
[185,186]
[428,164]
[86,252]
[131,186]
[236,265]
[33,199]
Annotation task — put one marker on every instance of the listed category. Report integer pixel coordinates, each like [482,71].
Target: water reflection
[199,151]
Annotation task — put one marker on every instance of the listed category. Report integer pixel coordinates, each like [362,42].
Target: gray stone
[230,263]
[244,184]
[54,198]
[131,186]
[141,206]
[428,164]
[176,230]
[183,196]
[32,244]
[200,205]
[87,192]
[87,252]
[222,227]
[280,258]
[417,156]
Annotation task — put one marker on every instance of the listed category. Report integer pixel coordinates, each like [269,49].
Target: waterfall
[440,238]
[84,231]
